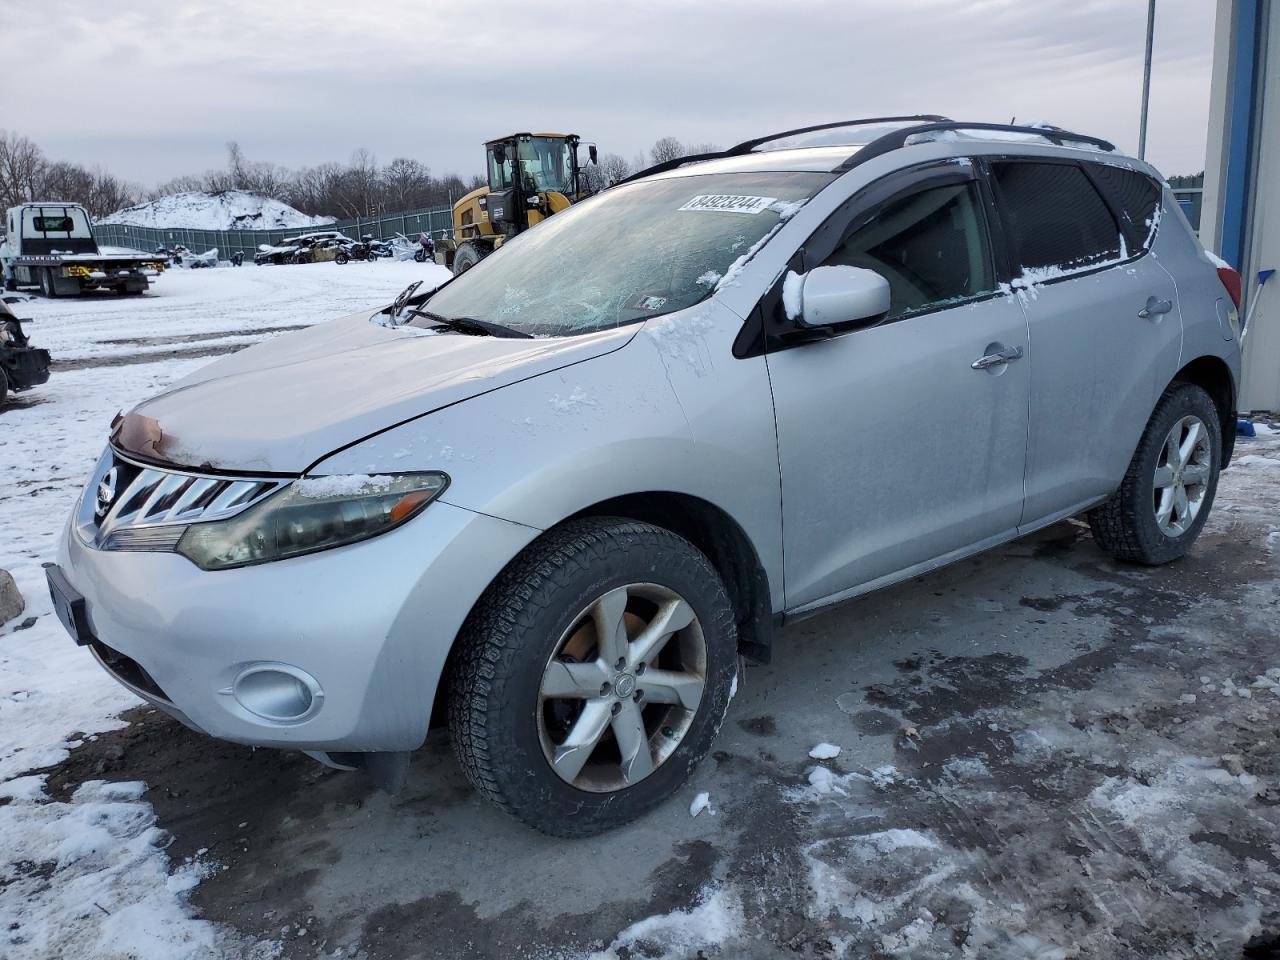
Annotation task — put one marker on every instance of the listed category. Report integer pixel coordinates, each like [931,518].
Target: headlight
[311,514]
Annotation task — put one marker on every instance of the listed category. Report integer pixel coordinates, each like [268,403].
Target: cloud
[152,90]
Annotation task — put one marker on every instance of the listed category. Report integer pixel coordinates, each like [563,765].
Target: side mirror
[499,154]
[828,296]
[592,153]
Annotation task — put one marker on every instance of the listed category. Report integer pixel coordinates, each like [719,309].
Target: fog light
[278,692]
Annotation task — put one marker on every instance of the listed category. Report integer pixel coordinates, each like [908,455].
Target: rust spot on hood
[137,434]
[144,437]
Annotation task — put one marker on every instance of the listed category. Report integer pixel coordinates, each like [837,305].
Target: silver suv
[553,501]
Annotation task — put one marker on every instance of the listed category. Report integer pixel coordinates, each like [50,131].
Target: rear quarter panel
[1202,299]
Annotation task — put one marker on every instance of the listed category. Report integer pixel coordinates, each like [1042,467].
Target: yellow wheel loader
[531,177]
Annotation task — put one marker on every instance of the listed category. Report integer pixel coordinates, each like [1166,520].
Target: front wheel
[468,256]
[420,256]
[593,675]
[1165,497]
[341,257]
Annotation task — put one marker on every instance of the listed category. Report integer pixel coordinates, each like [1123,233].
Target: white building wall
[1260,387]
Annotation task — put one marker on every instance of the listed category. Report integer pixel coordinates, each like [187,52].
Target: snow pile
[825,751]
[90,879]
[701,802]
[680,934]
[225,210]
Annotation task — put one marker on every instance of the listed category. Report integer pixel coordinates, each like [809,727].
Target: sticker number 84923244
[729,203]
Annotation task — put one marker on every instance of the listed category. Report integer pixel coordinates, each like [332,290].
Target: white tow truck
[50,245]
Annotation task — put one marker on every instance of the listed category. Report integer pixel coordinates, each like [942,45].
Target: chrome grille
[132,506]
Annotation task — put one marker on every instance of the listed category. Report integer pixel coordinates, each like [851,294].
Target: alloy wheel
[621,688]
[1182,475]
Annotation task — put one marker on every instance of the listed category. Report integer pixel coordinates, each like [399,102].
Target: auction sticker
[729,203]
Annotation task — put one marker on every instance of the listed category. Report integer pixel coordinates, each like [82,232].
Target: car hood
[282,405]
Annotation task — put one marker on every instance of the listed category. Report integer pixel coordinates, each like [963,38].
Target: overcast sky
[152,90]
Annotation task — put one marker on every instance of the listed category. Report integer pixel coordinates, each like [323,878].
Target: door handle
[1007,355]
[1155,307]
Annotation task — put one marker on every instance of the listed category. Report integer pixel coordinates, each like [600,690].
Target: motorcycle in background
[426,252]
[368,247]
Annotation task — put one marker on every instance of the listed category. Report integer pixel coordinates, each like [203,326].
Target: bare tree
[665,149]
[615,167]
[22,165]
[406,183]
[184,184]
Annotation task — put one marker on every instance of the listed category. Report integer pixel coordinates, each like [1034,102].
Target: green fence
[438,221]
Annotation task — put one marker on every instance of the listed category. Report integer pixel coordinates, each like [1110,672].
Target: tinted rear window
[1055,216]
[53,224]
[1135,195]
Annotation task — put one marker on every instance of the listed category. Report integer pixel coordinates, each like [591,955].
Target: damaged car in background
[571,487]
[305,248]
[22,366]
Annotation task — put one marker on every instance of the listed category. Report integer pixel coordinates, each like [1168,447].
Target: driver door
[896,453]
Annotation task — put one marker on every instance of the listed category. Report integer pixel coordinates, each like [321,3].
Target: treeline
[360,187]
[26,174]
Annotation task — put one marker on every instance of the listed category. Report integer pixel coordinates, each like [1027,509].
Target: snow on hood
[282,405]
[224,210]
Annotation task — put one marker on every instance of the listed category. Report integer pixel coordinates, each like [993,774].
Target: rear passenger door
[1104,328]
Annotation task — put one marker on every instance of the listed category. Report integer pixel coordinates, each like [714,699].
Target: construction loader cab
[531,176]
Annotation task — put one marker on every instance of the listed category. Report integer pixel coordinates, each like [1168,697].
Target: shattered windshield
[633,252]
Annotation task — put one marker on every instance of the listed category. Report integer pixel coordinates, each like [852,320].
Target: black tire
[466,258]
[420,255]
[10,284]
[341,257]
[1125,526]
[514,630]
[4,387]
[46,284]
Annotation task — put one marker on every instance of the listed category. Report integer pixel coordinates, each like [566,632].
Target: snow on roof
[225,210]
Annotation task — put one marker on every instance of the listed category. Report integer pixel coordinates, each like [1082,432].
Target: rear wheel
[341,257]
[46,283]
[1168,490]
[593,675]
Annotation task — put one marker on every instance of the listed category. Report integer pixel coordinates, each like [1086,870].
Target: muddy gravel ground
[1043,754]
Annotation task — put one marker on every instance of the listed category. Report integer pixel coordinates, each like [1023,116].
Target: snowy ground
[110,351]
[1034,754]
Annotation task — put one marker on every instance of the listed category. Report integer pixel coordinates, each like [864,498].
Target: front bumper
[370,624]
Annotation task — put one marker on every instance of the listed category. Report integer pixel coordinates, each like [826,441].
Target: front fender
[672,411]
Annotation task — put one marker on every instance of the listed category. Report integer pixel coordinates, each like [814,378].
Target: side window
[1136,196]
[1056,218]
[931,246]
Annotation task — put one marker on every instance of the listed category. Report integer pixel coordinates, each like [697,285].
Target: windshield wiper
[471,325]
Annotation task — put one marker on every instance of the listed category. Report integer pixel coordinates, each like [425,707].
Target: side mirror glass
[829,296]
[592,153]
[499,154]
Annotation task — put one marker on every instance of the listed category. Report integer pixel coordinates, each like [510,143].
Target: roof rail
[898,138]
[747,146]
[892,140]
